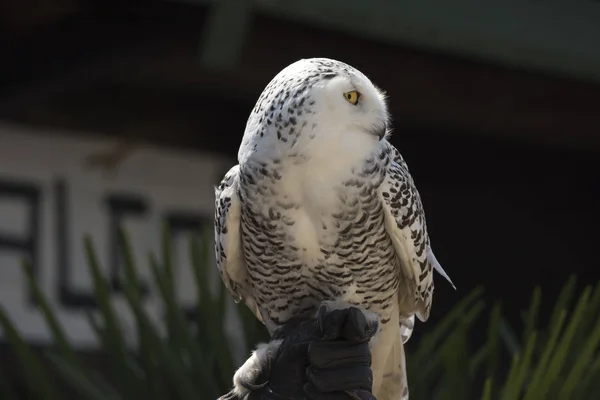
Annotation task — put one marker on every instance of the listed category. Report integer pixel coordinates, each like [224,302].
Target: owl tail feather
[395,382]
[438,267]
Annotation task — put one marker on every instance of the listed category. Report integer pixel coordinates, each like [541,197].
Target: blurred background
[127,113]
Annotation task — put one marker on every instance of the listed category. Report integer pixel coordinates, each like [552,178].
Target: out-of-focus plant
[558,360]
[193,360]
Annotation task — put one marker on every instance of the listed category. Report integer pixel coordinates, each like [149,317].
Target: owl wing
[405,223]
[228,241]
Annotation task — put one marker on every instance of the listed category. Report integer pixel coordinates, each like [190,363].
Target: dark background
[506,158]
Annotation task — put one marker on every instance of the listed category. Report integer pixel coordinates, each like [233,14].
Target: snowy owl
[321,207]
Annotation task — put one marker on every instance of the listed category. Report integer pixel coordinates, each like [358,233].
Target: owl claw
[245,377]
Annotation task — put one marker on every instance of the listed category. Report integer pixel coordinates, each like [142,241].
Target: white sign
[50,199]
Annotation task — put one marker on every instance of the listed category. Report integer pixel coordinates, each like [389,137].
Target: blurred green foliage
[193,359]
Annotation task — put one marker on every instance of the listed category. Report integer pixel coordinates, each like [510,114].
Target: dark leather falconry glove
[326,358]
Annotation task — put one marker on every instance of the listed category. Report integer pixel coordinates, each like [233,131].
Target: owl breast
[310,237]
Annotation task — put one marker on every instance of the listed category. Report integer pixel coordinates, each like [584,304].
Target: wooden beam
[71,53]
[224,34]
[18,17]
[540,36]
[144,114]
[427,90]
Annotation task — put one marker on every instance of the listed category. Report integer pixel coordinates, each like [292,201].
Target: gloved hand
[326,358]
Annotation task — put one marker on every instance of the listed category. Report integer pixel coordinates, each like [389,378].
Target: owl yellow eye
[352,97]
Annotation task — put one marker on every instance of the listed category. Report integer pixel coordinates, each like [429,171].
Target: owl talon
[245,377]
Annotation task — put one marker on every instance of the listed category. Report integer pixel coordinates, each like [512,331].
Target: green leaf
[183,342]
[167,257]
[533,312]
[564,299]
[493,343]
[536,386]
[81,381]
[429,342]
[211,318]
[590,383]
[170,363]
[509,337]
[514,385]
[576,374]
[66,349]
[557,361]
[34,371]
[7,391]
[42,302]
[112,336]
[487,389]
